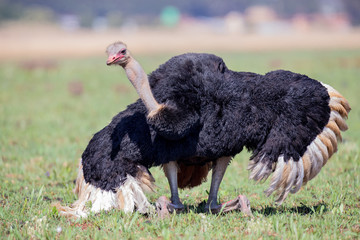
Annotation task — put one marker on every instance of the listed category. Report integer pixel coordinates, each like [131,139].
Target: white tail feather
[128,197]
[316,159]
[299,177]
[288,184]
[275,180]
[259,170]
[321,146]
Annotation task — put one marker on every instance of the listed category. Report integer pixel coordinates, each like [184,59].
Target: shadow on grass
[196,209]
[200,208]
[318,208]
[302,210]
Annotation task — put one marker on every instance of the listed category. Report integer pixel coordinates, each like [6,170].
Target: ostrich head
[117,54]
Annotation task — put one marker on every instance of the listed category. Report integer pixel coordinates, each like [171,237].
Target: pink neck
[140,81]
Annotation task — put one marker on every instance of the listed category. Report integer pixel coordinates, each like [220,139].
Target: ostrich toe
[175,207]
[241,203]
[162,207]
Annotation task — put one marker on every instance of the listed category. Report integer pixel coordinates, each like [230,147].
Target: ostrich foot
[241,203]
[164,207]
[213,208]
[161,206]
[178,207]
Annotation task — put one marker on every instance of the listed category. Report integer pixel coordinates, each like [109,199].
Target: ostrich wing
[300,111]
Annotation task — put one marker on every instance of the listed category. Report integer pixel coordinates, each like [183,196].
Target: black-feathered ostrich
[193,115]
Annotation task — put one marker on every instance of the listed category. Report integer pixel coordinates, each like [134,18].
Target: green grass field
[48,115]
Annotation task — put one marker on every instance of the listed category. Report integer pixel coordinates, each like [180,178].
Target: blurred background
[52,29]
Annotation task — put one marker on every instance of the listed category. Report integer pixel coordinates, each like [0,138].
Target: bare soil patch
[22,42]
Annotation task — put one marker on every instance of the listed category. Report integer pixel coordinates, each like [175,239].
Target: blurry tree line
[115,10]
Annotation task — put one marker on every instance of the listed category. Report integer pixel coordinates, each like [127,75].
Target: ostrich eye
[221,67]
[123,51]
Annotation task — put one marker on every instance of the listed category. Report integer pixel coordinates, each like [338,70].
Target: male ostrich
[193,115]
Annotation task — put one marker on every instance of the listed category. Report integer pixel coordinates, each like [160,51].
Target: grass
[49,113]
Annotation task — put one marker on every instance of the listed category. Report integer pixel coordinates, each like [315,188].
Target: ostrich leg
[217,176]
[170,170]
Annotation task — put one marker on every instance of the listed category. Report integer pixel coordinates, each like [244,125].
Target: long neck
[140,81]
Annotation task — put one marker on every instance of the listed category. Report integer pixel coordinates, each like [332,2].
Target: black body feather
[211,112]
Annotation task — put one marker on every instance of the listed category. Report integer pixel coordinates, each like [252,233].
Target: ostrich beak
[114,59]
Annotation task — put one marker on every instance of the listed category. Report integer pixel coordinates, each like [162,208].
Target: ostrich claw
[241,203]
[161,206]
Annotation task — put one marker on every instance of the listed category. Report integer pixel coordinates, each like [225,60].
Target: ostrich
[194,114]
